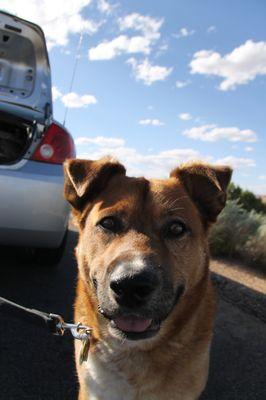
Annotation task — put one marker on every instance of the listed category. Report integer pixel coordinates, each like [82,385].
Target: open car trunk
[16,135]
[25,87]
[25,76]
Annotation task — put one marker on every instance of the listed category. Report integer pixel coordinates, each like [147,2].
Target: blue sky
[160,82]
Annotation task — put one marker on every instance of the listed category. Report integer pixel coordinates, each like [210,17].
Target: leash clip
[78,331]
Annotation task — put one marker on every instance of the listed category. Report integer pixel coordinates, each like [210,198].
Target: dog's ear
[84,179]
[206,185]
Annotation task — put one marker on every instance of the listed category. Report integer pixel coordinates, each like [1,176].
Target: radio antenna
[77,57]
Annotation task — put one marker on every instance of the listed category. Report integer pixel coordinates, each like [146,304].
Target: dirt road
[35,365]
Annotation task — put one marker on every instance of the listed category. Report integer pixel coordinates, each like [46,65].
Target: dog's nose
[133,290]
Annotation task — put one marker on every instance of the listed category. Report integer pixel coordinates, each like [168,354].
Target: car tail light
[56,146]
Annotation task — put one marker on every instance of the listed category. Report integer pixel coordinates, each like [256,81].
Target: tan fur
[174,364]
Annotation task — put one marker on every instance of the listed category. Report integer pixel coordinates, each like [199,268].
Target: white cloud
[151,164]
[156,165]
[148,26]
[239,67]
[211,28]
[148,121]
[99,141]
[65,51]
[162,48]
[248,149]
[212,133]
[105,7]
[181,84]
[262,177]
[148,73]
[59,18]
[73,100]
[149,29]
[184,32]
[236,162]
[185,116]
[56,93]
[120,45]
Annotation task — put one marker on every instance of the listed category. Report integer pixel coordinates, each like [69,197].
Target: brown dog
[144,284]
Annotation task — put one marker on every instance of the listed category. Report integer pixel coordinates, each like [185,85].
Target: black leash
[54,322]
[51,321]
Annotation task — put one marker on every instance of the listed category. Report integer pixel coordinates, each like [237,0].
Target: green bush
[246,199]
[240,233]
[255,249]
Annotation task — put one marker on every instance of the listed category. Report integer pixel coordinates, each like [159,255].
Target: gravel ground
[35,365]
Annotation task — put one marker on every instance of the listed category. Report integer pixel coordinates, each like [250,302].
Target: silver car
[33,212]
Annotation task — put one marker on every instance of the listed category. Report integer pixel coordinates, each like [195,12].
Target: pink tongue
[132,324]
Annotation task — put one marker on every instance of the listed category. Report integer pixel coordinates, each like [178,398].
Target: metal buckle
[78,331]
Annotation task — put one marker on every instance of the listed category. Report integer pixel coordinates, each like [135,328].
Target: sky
[158,83]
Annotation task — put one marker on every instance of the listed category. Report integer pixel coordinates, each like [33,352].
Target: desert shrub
[255,249]
[248,200]
[240,233]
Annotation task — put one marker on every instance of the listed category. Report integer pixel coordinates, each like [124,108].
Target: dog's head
[143,243]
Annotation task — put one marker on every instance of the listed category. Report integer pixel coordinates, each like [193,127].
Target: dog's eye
[175,229]
[110,224]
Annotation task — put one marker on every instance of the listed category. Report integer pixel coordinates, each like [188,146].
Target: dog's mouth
[134,327]
[132,323]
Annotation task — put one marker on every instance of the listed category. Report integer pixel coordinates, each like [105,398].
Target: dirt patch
[240,273]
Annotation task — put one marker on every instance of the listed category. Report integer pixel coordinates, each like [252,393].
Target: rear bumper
[33,211]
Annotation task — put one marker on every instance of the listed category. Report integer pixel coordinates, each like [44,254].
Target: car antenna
[77,57]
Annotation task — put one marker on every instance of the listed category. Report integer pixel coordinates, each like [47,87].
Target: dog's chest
[104,382]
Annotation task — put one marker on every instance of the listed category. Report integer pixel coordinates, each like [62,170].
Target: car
[33,146]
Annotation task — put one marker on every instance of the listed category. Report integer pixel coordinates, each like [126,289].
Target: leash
[55,324]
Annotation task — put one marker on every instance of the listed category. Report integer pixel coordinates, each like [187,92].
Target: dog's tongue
[132,324]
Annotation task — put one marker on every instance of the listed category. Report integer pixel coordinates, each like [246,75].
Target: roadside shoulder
[248,300]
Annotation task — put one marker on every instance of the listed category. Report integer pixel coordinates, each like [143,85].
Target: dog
[144,285]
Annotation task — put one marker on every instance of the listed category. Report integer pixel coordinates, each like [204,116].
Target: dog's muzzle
[139,299]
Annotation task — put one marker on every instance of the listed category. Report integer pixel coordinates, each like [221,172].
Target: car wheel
[50,256]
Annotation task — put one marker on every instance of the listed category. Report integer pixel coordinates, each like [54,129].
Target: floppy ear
[84,179]
[206,185]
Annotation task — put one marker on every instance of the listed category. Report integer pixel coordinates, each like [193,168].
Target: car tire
[50,256]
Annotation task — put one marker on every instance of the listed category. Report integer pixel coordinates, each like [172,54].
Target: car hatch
[25,77]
